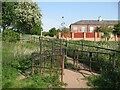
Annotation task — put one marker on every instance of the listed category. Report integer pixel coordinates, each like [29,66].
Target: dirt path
[76,79]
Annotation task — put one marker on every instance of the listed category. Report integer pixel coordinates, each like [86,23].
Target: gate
[50,58]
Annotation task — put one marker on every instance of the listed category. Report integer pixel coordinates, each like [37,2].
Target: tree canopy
[8,14]
[28,16]
[53,32]
[117,28]
[106,30]
[24,16]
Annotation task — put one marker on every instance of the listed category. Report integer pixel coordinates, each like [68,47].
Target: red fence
[68,35]
[79,35]
[90,35]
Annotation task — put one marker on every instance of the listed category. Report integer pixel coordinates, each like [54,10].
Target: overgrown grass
[109,79]
[16,60]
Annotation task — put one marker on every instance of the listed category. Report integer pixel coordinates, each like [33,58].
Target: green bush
[109,79]
[10,35]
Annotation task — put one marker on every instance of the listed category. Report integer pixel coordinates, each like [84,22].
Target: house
[84,30]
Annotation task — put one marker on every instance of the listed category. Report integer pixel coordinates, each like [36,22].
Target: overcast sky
[74,11]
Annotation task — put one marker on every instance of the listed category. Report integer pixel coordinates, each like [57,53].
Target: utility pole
[62,26]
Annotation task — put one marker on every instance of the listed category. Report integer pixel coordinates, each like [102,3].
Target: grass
[16,60]
[109,79]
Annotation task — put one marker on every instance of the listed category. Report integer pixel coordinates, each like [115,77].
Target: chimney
[99,18]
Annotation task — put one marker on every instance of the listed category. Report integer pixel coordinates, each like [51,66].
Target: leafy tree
[106,30]
[65,30]
[36,30]
[53,32]
[117,28]
[28,15]
[8,14]
[23,16]
[45,33]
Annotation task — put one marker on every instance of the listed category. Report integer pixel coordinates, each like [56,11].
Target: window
[91,29]
[83,29]
[75,28]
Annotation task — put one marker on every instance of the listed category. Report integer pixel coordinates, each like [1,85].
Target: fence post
[113,61]
[90,56]
[74,57]
[82,45]
[52,54]
[62,61]
[77,58]
[66,50]
[62,68]
[34,40]
[40,55]
[32,65]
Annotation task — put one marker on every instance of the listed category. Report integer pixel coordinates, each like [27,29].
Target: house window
[75,28]
[91,29]
[83,29]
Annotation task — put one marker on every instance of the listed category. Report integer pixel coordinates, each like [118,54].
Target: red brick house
[84,30]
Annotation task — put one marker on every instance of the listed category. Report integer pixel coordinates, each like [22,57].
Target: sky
[52,12]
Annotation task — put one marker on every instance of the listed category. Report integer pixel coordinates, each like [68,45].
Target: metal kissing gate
[49,58]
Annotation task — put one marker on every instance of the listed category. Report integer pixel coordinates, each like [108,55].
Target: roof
[95,22]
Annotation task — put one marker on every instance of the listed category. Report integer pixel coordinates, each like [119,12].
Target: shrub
[109,79]
[10,35]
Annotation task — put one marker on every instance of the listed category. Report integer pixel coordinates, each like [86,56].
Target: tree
[97,29]
[65,30]
[53,32]
[8,14]
[117,28]
[36,30]
[28,15]
[106,30]
[23,16]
